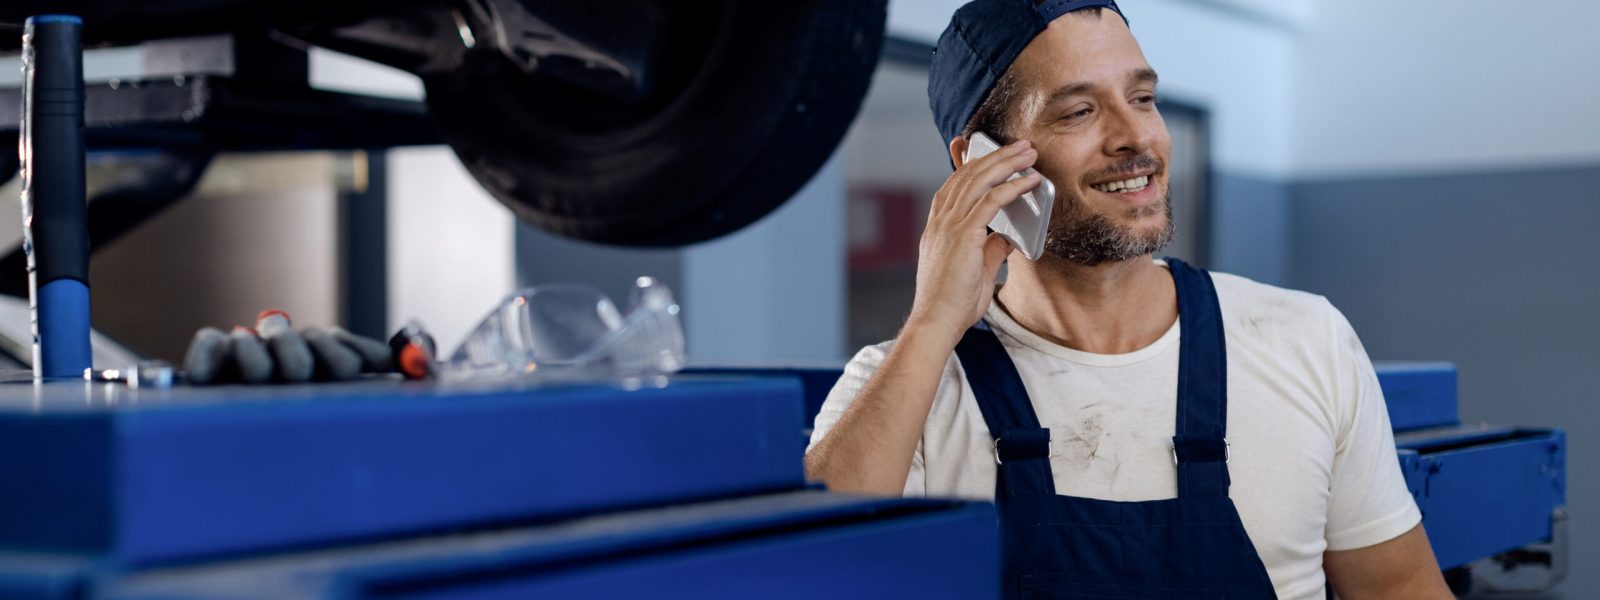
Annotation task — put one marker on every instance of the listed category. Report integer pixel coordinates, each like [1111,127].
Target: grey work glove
[274,351]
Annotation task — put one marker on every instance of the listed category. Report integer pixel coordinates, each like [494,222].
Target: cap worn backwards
[983,38]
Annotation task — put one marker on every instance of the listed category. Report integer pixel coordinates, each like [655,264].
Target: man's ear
[958,151]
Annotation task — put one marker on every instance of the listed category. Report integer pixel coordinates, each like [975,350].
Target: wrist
[941,333]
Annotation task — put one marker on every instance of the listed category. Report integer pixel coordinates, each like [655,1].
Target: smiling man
[1147,429]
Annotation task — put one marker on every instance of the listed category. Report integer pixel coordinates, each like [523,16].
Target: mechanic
[1053,394]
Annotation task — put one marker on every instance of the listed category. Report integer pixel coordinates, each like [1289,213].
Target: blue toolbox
[1493,498]
[792,545]
[388,488]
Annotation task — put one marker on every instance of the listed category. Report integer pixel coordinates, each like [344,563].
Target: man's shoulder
[867,360]
[1243,294]
[1273,312]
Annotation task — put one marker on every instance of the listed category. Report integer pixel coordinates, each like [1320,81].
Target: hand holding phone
[1026,221]
[958,256]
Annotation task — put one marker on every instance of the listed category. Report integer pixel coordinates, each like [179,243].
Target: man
[1274,471]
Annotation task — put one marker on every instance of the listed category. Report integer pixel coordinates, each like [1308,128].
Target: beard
[1091,239]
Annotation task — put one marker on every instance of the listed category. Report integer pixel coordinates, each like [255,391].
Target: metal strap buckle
[1227,452]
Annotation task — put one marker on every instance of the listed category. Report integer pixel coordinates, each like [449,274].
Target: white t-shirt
[1313,460]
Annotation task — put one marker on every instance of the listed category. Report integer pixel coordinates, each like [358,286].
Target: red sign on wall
[884,226]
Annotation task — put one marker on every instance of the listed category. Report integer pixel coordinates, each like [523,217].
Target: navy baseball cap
[983,38]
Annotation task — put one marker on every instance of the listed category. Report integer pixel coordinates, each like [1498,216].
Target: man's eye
[1147,99]
[1080,114]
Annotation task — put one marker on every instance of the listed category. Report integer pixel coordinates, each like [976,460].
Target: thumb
[995,250]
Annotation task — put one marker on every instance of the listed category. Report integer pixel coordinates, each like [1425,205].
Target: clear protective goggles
[573,332]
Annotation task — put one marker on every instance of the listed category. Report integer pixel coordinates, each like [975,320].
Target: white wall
[450,242]
[450,245]
[1236,67]
[1446,85]
[1292,13]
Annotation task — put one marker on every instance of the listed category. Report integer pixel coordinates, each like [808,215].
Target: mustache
[1128,166]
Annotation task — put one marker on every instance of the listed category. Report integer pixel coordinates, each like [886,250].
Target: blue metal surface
[815,382]
[1419,394]
[794,545]
[1484,490]
[150,476]
[43,576]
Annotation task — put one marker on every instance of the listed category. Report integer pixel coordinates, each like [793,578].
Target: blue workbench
[151,476]
[388,488]
[362,489]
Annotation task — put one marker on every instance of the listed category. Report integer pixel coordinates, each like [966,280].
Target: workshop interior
[530,298]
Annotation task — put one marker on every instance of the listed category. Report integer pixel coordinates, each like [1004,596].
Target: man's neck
[1111,308]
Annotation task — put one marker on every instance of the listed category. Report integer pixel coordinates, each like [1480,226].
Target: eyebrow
[1144,75]
[1140,75]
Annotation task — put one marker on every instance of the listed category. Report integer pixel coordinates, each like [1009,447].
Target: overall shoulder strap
[1200,445]
[1021,446]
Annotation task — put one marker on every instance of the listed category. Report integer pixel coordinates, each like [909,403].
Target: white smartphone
[1025,221]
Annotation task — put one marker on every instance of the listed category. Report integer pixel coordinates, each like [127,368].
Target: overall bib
[1192,546]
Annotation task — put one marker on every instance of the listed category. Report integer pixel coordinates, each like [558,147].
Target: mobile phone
[1023,222]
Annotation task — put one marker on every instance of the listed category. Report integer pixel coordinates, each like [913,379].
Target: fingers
[207,356]
[251,360]
[337,361]
[995,250]
[375,355]
[976,177]
[986,174]
[286,354]
[291,356]
[985,209]
[996,172]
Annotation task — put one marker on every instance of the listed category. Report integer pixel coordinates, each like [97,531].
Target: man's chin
[1100,239]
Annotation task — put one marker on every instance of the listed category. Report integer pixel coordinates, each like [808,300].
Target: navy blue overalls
[1192,546]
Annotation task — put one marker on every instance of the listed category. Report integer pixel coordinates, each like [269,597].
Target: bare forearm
[870,449]
[1403,567]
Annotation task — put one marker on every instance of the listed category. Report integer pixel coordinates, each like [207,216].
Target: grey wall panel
[1496,272]
[774,292]
[1250,227]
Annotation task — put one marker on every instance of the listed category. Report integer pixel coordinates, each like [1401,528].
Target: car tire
[757,107]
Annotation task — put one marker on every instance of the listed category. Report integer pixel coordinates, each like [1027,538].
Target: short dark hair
[994,114]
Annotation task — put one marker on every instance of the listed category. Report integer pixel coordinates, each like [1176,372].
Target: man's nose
[1129,132]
